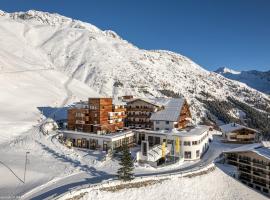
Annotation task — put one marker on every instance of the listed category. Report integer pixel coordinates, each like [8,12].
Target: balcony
[139,115]
[245,161]
[260,174]
[246,170]
[260,165]
[140,109]
[79,122]
[249,136]
[260,182]
[232,158]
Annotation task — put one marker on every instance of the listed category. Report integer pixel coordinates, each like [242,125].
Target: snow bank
[196,188]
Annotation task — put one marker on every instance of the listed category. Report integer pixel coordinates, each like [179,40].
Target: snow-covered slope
[29,81]
[255,79]
[40,53]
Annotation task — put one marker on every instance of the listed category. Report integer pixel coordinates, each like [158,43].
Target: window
[265,190]
[151,140]
[157,129]
[167,122]
[157,140]
[187,154]
[157,122]
[186,143]
[194,142]
[197,153]
[144,152]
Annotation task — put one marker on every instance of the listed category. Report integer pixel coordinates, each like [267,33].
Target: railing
[259,165]
[244,161]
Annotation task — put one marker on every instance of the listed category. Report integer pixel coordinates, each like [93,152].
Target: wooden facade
[183,116]
[98,115]
[139,113]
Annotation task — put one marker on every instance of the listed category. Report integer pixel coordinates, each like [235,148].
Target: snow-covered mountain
[253,78]
[41,53]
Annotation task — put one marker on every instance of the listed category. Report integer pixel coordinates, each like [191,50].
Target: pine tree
[125,172]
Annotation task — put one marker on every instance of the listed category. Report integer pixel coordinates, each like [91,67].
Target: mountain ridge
[111,65]
[259,80]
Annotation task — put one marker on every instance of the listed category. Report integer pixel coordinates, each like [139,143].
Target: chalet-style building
[175,114]
[98,115]
[253,165]
[157,113]
[234,132]
[161,128]
[139,112]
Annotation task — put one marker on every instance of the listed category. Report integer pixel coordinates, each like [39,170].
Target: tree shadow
[98,176]
[54,192]
[74,163]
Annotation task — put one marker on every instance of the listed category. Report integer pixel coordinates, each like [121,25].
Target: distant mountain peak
[108,64]
[225,70]
[256,79]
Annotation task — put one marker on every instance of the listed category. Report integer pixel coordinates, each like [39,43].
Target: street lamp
[26,153]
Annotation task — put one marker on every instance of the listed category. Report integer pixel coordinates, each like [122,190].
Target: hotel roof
[190,131]
[258,148]
[227,128]
[171,110]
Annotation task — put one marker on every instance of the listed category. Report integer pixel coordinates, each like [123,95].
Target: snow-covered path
[96,175]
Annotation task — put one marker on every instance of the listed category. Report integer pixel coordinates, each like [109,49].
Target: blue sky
[214,33]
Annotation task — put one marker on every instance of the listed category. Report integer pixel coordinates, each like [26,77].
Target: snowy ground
[215,185]
[53,169]
[86,173]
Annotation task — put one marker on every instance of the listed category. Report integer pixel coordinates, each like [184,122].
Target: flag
[163,148]
[177,145]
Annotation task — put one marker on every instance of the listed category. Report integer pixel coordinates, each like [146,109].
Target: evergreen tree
[125,172]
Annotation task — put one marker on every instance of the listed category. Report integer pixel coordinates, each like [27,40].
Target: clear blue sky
[232,33]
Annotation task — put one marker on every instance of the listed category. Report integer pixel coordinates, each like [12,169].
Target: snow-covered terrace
[194,131]
[110,136]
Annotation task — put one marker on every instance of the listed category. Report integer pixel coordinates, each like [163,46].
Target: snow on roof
[191,131]
[227,128]
[154,101]
[105,136]
[244,148]
[171,111]
[118,102]
[80,104]
[261,149]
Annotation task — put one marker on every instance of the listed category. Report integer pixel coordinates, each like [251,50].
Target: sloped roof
[227,128]
[258,148]
[154,101]
[118,102]
[171,111]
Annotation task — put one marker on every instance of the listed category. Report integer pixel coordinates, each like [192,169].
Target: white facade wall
[198,143]
[201,146]
[163,125]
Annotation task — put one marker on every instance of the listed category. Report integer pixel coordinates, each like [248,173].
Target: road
[85,179]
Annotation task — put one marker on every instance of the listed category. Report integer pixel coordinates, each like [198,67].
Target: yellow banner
[177,145]
[163,148]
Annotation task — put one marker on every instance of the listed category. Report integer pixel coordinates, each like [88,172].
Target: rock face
[253,78]
[109,64]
